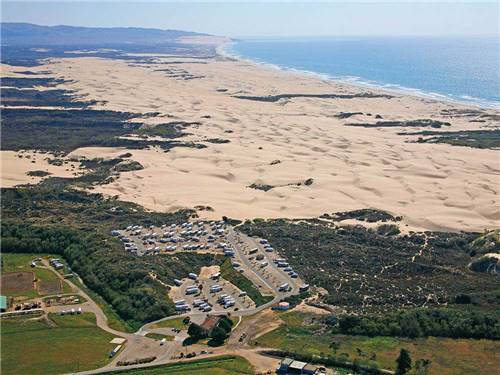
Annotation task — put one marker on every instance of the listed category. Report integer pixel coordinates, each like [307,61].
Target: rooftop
[210,322]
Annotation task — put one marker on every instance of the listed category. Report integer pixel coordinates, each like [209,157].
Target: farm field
[224,365]
[18,275]
[61,345]
[447,356]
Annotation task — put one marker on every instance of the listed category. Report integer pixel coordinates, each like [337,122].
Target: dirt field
[15,283]
[49,287]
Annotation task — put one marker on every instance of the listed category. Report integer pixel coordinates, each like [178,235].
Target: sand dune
[15,169]
[433,186]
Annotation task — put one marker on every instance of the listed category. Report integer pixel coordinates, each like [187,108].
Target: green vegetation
[159,336]
[308,334]
[424,323]
[217,335]
[420,123]
[127,166]
[486,139]
[47,280]
[62,344]
[487,243]
[238,279]
[365,272]
[168,130]
[403,362]
[366,214]
[485,263]
[38,173]
[64,130]
[114,320]
[275,98]
[223,365]
[179,323]
[76,225]
[39,98]
[262,187]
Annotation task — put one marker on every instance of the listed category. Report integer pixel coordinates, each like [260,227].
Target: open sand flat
[433,186]
[15,169]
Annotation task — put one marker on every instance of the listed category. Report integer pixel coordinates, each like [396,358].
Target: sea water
[463,69]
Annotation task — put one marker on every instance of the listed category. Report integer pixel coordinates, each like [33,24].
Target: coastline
[359,82]
[433,186]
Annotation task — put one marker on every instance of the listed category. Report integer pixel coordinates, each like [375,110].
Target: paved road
[139,346]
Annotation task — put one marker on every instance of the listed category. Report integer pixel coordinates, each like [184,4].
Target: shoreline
[360,83]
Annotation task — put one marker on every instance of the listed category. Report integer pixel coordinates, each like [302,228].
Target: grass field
[171,323]
[448,356]
[114,321]
[159,336]
[65,344]
[236,278]
[224,365]
[47,280]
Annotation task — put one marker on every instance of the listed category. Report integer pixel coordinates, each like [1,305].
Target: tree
[335,346]
[195,331]
[422,366]
[403,362]
[218,336]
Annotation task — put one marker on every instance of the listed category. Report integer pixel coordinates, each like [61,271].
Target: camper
[215,288]
[180,302]
[253,251]
[192,276]
[114,351]
[181,307]
[177,282]
[192,290]
[304,288]
[283,287]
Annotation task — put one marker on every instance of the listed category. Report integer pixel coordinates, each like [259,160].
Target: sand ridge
[433,186]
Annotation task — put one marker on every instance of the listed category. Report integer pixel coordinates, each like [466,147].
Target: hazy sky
[262,18]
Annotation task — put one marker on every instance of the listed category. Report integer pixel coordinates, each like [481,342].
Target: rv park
[201,298]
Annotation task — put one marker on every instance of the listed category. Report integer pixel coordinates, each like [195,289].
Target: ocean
[459,69]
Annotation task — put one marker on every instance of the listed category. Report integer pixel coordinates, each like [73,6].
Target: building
[283,306]
[3,303]
[291,366]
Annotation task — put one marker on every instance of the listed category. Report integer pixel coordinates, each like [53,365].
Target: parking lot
[209,291]
[255,258]
[198,236]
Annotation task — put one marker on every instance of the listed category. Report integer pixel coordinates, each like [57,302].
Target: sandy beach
[283,143]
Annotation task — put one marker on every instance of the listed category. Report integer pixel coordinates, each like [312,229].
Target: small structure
[284,365]
[283,306]
[3,303]
[291,366]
